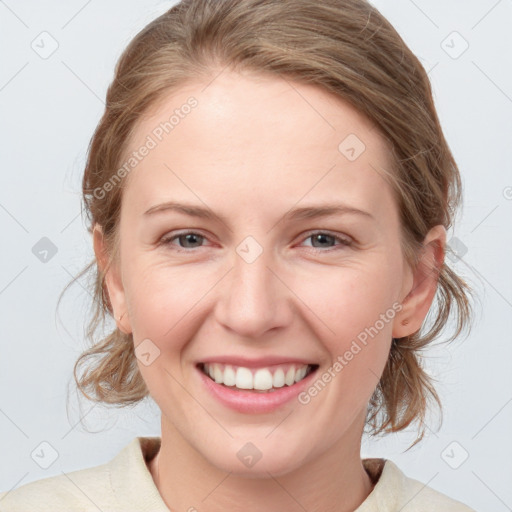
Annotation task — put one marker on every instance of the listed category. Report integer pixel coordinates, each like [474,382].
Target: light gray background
[49,109]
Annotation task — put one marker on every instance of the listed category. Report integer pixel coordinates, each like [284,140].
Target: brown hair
[343,46]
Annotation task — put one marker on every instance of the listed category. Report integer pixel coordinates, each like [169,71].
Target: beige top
[125,484]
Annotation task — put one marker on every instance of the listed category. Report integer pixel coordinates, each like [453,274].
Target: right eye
[187,240]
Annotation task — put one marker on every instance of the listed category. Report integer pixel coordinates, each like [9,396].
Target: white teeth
[290,376]
[217,375]
[244,378]
[261,380]
[229,376]
[278,379]
[300,374]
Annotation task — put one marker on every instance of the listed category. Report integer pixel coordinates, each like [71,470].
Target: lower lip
[250,402]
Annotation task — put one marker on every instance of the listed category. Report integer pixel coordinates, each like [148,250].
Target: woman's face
[278,253]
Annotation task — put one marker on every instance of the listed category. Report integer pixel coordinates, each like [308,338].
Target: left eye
[192,240]
[323,238]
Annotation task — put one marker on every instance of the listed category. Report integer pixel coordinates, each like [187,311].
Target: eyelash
[343,242]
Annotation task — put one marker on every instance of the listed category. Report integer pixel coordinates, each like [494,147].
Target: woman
[269,191]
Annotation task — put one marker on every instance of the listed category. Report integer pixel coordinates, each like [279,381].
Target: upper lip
[256,362]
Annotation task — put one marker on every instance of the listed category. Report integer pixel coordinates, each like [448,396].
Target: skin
[254,148]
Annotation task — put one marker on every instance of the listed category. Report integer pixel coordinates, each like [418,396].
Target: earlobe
[418,300]
[113,281]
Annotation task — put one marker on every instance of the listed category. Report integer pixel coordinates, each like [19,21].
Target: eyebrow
[295,214]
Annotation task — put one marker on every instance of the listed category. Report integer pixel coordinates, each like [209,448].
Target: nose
[254,299]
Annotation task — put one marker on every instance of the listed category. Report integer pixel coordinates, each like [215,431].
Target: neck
[334,481]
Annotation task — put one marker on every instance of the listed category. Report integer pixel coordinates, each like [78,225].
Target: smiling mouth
[262,380]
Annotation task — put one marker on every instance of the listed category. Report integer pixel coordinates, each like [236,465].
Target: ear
[425,278]
[113,281]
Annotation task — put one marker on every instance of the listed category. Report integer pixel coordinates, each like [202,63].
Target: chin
[249,461]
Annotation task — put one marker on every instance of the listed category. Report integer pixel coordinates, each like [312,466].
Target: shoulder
[395,491]
[76,490]
[123,483]
[419,497]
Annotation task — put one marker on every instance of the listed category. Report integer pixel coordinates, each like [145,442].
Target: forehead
[256,135]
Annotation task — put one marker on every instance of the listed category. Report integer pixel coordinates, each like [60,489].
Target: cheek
[164,308]
[349,300]
[163,302]
[359,313]
[355,312]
